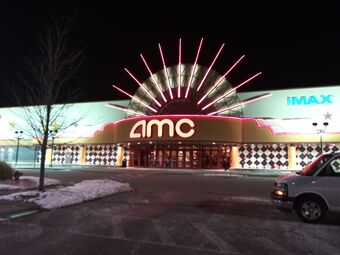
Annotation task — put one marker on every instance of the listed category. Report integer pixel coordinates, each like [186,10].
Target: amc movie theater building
[188,116]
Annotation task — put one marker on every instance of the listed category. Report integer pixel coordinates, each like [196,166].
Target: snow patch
[247,199]
[27,182]
[78,193]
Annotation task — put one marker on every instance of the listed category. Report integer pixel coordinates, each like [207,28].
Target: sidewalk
[207,172]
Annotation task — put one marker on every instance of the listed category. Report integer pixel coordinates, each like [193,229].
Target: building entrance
[178,156]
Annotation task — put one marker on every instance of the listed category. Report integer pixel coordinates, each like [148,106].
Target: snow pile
[78,193]
[27,182]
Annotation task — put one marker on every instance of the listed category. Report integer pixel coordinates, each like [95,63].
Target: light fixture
[320,131]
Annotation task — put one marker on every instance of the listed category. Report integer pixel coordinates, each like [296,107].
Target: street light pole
[320,131]
[18,137]
[53,135]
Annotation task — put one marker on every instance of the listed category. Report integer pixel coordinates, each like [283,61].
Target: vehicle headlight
[281,189]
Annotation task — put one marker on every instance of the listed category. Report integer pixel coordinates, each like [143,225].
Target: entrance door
[167,159]
[142,157]
[159,158]
[173,158]
[177,156]
[180,158]
[206,159]
[187,158]
[213,159]
[196,158]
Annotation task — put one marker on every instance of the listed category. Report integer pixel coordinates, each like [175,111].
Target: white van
[312,192]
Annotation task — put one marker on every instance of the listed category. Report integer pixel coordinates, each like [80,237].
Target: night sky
[294,43]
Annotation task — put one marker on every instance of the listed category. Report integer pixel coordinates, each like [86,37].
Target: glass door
[167,160]
[180,158]
[213,159]
[173,158]
[196,158]
[187,158]
[160,158]
[152,157]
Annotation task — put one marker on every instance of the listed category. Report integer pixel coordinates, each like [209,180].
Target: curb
[19,214]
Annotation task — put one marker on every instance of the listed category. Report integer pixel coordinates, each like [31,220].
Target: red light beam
[230,91]
[135,98]
[241,103]
[117,107]
[143,87]
[193,69]
[166,71]
[179,68]
[218,82]
[153,78]
[206,74]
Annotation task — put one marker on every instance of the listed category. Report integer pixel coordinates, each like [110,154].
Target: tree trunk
[43,149]
[42,164]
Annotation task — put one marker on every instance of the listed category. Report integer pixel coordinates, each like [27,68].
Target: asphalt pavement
[10,210]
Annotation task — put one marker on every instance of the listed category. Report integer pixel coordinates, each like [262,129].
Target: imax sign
[308,100]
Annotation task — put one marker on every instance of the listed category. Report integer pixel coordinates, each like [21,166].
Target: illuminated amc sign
[174,128]
[308,100]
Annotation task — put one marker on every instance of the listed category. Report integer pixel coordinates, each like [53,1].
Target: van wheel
[311,209]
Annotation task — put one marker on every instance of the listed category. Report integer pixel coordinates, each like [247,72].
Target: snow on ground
[26,182]
[247,199]
[64,196]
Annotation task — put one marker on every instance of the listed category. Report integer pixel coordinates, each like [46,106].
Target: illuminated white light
[133,133]
[179,69]
[218,82]
[180,132]
[146,128]
[159,124]
[193,69]
[142,86]
[135,98]
[240,104]
[206,74]
[230,91]
[153,78]
[166,71]
[124,109]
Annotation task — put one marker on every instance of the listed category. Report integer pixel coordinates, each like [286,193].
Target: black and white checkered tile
[264,156]
[306,153]
[101,154]
[126,155]
[66,154]
[273,156]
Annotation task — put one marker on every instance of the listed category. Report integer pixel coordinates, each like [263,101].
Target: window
[335,165]
[332,169]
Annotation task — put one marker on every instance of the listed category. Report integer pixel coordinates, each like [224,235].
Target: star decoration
[328,116]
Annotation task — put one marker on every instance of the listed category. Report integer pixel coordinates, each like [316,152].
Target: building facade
[285,130]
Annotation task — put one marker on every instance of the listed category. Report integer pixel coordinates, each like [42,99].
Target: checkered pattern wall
[101,154]
[250,156]
[126,155]
[306,153]
[66,154]
[264,156]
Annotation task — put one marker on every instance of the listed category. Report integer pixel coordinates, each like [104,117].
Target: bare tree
[50,85]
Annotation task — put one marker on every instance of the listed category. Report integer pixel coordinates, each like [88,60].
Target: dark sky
[294,43]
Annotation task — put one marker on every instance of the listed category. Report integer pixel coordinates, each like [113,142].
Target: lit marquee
[186,89]
[146,128]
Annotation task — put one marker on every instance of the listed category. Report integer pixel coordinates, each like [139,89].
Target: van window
[315,165]
[335,165]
